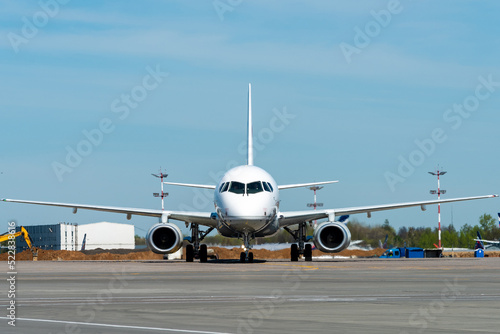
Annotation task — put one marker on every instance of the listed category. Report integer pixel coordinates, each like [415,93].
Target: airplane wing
[285,218]
[298,185]
[495,242]
[295,217]
[203,218]
[204,186]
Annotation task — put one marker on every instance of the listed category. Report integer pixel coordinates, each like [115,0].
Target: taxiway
[355,295]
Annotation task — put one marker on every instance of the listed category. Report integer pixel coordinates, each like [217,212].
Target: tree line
[426,237]
[372,235]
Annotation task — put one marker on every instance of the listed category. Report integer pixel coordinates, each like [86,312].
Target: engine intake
[331,237]
[164,238]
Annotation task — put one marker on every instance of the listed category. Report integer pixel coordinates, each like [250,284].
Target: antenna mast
[439,191]
[315,204]
[161,176]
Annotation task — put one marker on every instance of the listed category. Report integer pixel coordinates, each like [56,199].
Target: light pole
[438,192]
[315,204]
[162,195]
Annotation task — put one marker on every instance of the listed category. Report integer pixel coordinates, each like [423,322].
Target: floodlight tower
[438,192]
[315,204]
[162,195]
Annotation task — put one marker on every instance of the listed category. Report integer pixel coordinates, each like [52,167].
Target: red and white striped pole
[315,204]
[439,192]
[163,205]
[439,212]
[163,194]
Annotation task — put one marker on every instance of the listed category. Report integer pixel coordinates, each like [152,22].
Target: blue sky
[354,117]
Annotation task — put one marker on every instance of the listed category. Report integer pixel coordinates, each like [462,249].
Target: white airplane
[247,205]
[490,242]
[480,242]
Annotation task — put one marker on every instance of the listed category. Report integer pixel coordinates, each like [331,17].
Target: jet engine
[331,237]
[164,238]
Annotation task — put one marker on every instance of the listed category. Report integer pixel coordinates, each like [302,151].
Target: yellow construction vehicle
[27,238]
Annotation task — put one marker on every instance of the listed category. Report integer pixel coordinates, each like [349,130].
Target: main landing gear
[194,249]
[300,248]
[246,255]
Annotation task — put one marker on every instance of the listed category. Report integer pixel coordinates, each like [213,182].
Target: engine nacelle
[164,238]
[331,237]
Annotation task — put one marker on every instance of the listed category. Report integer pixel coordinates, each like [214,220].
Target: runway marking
[118,326]
[50,302]
[293,265]
[72,301]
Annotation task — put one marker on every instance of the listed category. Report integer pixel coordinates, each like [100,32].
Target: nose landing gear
[246,255]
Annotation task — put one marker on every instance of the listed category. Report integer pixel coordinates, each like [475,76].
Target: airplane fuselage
[246,200]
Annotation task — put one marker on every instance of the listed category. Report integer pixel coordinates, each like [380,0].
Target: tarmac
[448,295]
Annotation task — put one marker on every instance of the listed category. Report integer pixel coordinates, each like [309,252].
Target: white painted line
[118,326]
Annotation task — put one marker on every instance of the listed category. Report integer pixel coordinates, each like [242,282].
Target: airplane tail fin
[84,243]
[383,245]
[479,243]
[250,128]
[499,220]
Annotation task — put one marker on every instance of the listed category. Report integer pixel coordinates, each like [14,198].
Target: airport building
[107,236]
[64,236]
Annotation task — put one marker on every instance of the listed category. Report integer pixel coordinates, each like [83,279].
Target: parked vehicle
[403,252]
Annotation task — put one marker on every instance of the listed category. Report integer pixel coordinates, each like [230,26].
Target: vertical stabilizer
[479,242]
[250,128]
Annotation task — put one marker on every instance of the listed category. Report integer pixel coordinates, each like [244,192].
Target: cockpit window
[237,188]
[270,186]
[248,189]
[224,187]
[266,187]
[254,187]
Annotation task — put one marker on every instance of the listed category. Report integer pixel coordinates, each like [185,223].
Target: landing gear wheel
[294,253]
[250,257]
[189,253]
[308,252]
[203,253]
[243,257]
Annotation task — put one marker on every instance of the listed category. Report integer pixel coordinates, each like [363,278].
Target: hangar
[66,236]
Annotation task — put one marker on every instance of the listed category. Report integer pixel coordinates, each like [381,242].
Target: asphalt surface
[351,296]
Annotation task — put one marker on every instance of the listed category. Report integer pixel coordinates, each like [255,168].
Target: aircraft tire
[189,253]
[203,253]
[243,257]
[250,257]
[294,253]
[308,252]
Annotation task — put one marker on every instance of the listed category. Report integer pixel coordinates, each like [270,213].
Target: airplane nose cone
[246,207]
